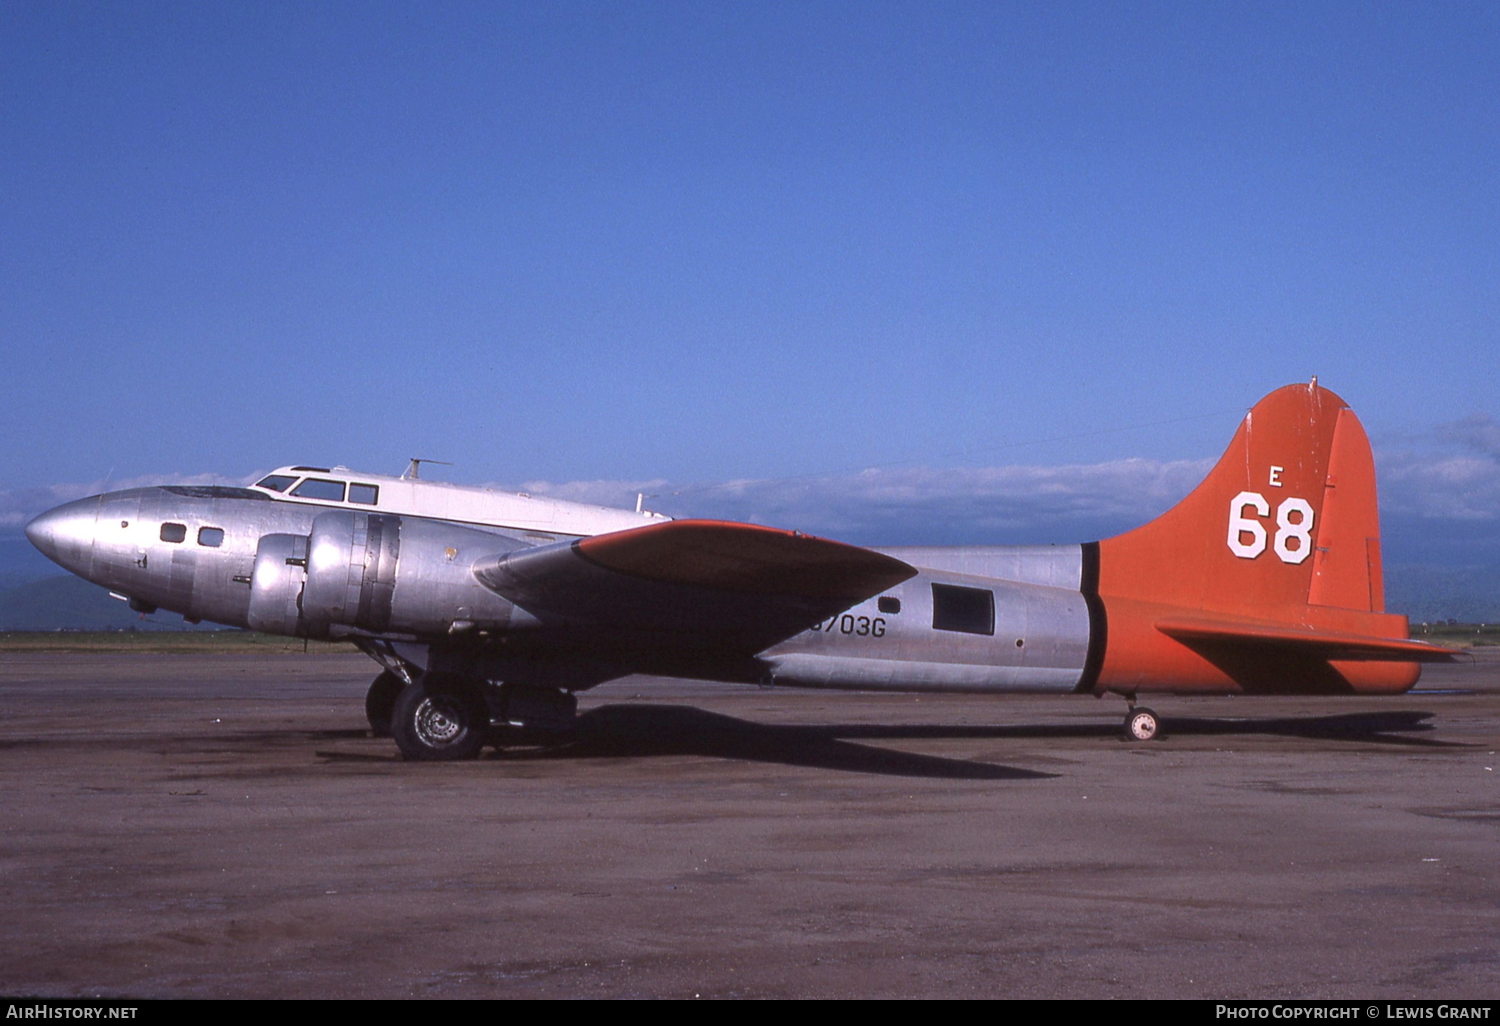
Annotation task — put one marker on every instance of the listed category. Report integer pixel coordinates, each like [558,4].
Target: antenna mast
[416,462]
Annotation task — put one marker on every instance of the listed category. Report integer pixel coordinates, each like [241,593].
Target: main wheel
[380,702]
[1140,725]
[440,719]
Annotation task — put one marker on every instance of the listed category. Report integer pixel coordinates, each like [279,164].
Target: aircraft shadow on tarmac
[656,730]
[1387,728]
[1382,728]
[645,731]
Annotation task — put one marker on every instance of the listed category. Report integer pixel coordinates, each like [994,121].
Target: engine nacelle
[351,570]
[276,584]
[377,573]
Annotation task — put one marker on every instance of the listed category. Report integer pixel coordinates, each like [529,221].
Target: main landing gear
[1141,723]
[440,718]
[443,717]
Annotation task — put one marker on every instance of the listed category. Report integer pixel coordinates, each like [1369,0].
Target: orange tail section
[1266,578]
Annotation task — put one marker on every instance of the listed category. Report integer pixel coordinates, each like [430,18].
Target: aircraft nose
[65,535]
[39,533]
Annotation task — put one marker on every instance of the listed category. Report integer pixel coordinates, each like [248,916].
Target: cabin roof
[341,488]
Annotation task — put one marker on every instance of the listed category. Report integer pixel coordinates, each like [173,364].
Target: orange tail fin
[1266,577]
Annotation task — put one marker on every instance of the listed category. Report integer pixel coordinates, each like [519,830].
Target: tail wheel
[1141,725]
[440,719]
[380,702]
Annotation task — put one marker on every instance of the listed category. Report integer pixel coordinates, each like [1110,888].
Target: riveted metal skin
[1040,640]
[435,591]
[276,585]
[351,569]
[283,568]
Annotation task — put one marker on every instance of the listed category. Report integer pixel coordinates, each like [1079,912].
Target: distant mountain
[1434,594]
[20,563]
[70,603]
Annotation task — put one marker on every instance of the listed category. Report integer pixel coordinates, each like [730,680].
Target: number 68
[1287,530]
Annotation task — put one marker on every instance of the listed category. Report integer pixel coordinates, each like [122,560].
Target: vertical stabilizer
[1283,531]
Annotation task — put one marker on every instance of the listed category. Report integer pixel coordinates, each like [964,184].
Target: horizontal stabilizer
[1308,641]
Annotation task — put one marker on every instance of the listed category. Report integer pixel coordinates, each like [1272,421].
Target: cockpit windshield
[276,482]
[318,488]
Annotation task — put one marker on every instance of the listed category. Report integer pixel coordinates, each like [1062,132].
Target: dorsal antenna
[416,463]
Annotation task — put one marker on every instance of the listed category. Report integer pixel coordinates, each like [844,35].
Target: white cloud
[1439,487]
[1477,431]
[920,503]
[956,505]
[1022,503]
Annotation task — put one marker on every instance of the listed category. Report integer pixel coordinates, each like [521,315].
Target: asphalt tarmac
[222,826]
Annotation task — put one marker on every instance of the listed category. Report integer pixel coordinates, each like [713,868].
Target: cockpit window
[173,532]
[276,482]
[364,494]
[213,537]
[318,488]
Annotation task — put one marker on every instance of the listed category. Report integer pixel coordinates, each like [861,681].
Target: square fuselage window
[173,532]
[213,537]
[969,610]
[365,495]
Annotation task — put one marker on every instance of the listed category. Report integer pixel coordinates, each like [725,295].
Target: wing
[699,583]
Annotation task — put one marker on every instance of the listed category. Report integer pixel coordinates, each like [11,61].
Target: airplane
[489,611]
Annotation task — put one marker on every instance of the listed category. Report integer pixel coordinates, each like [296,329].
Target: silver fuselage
[245,559]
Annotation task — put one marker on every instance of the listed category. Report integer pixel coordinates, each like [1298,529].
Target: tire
[380,702]
[440,719]
[1141,725]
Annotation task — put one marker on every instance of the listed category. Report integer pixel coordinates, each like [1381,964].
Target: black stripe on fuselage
[1088,584]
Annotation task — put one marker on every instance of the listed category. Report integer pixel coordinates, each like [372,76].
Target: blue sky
[695,243]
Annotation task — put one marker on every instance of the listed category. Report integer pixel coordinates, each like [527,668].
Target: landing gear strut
[1140,723]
